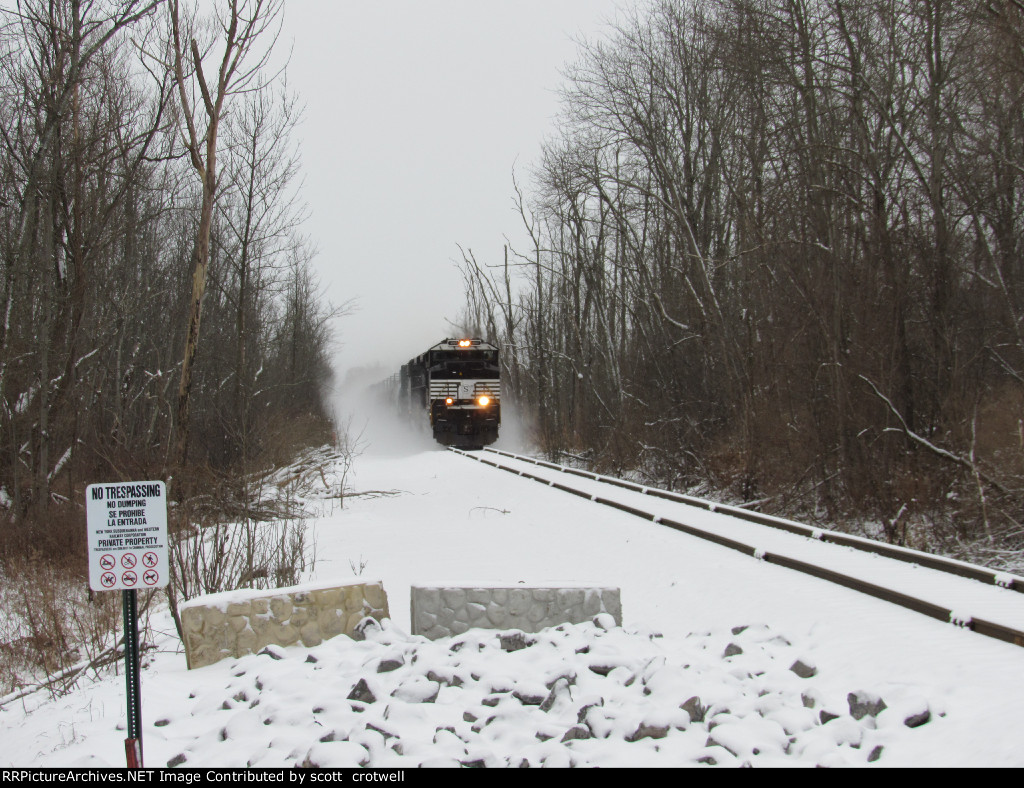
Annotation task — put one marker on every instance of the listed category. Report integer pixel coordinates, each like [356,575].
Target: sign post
[127,524]
[133,744]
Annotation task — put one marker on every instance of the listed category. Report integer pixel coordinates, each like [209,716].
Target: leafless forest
[778,253]
[158,313]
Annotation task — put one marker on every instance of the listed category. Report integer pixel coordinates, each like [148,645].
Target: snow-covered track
[972,571]
[886,572]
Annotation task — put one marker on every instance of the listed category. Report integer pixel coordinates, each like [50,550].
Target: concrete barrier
[233,623]
[441,611]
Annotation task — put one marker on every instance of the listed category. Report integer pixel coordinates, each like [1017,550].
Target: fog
[416,116]
[369,422]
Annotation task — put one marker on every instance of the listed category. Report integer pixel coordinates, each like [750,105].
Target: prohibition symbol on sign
[129,578]
[128,560]
[150,559]
[108,579]
[107,561]
[150,577]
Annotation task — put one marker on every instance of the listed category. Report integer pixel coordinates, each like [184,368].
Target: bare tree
[245,31]
[776,248]
[78,139]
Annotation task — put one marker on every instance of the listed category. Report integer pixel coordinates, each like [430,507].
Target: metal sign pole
[133,744]
[127,524]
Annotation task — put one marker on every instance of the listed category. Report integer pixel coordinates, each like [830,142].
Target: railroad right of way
[985,601]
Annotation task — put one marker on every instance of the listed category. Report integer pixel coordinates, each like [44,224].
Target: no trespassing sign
[127,524]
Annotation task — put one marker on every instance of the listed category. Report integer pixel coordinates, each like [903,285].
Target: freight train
[456,385]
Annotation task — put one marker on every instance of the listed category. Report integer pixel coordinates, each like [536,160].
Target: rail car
[457,385]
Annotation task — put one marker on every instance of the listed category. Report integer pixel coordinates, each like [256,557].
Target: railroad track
[894,574]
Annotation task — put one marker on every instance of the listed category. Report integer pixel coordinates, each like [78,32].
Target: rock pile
[587,694]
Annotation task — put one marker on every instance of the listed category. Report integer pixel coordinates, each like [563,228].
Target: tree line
[158,309]
[777,250]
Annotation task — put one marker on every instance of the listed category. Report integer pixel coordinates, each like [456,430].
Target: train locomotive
[458,383]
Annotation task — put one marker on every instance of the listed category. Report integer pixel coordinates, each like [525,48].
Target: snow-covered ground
[721,659]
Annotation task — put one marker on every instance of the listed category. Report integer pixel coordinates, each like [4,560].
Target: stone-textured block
[281,607]
[441,611]
[239,609]
[192,620]
[235,623]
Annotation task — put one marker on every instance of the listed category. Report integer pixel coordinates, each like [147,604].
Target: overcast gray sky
[417,111]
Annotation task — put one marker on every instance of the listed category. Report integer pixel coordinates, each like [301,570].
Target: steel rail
[948,565]
[925,607]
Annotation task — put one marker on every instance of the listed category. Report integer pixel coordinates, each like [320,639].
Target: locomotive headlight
[449,401]
[484,401]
